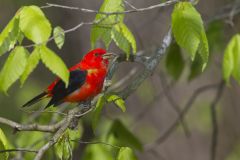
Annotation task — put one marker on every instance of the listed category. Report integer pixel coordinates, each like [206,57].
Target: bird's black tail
[35,99]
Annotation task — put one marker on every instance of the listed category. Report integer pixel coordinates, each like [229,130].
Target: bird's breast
[92,86]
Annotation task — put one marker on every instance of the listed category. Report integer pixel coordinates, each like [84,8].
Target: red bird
[86,81]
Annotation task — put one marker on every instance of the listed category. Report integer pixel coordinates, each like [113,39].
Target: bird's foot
[85,105]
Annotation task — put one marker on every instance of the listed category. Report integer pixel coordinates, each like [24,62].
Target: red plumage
[86,80]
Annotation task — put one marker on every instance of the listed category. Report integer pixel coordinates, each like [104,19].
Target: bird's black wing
[59,92]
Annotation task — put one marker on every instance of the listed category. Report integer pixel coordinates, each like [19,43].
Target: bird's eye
[96,54]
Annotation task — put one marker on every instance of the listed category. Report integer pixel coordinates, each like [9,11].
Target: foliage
[231,60]
[111,27]
[123,137]
[59,36]
[9,36]
[126,153]
[13,67]
[102,100]
[29,22]
[174,61]
[188,30]
[34,25]
[3,145]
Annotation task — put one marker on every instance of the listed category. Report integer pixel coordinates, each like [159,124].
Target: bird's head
[97,58]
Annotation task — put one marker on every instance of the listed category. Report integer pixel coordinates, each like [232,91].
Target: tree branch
[31,127]
[68,120]
[150,64]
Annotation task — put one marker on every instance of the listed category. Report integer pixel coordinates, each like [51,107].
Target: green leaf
[123,38]
[103,33]
[20,37]
[59,36]
[124,136]
[102,30]
[215,36]
[231,59]
[188,30]
[54,63]
[97,152]
[118,101]
[203,50]
[97,111]
[32,63]
[196,68]
[3,145]
[75,134]
[126,153]
[9,35]
[174,61]
[63,148]
[28,138]
[34,24]
[13,68]
[236,58]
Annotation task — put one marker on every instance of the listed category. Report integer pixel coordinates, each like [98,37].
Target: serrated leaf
[236,58]
[9,35]
[63,148]
[13,67]
[97,111]
[34,24]
[231,59]
[203,50]
[188,30]
[174,61]
[54,63]
[124,136]
[3,145]
[103,33]
[126,153]
[32,63]
[123,38]
[102,30]
[59,36]
[118,101]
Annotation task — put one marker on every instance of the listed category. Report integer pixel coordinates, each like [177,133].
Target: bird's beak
[110,56]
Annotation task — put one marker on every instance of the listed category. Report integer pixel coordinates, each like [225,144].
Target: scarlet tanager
[85,81]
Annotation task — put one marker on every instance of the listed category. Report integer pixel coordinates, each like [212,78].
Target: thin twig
[129,4]
[58,134]
[18,150]
[70,30]
[173,104]
[188,105]
[133,10]
[98,142]
[214,121]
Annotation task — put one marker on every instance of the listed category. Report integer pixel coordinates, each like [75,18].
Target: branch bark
[31,127]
